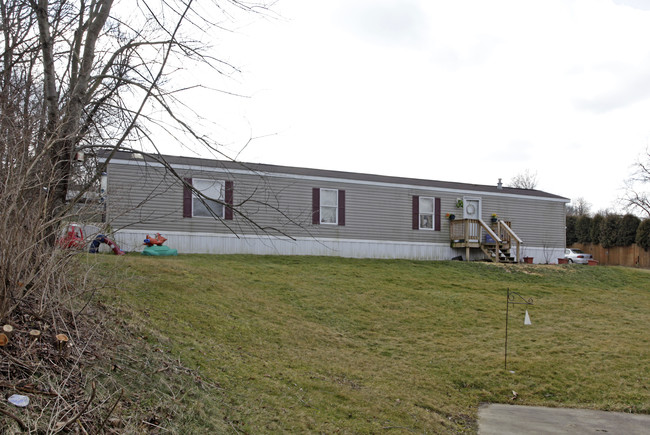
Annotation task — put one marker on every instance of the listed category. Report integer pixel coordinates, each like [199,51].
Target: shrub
[627,230]
[571,236]
[643,234]
[594,230]
[609,230]
[583,229]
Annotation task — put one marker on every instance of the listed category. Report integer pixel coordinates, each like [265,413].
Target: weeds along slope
[308,344]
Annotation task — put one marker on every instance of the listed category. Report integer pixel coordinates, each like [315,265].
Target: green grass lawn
[330,345]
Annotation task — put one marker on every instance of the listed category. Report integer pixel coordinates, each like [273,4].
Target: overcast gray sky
[466,90]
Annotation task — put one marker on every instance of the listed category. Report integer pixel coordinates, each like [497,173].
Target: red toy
[94,246]
[158,240]
[73,238]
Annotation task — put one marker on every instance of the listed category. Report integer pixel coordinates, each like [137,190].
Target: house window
[195,205]
[426,213]
[202,207]
[328,206]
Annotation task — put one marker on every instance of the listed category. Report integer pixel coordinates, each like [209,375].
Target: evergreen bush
[643,234]
[627,230]
[583,229]
[609,230]
[594,230]
[571,236]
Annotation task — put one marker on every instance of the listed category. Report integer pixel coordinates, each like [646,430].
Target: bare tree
[578,207]
[636,197]
[83,75]
[524,180]
[79,76]
[91,73]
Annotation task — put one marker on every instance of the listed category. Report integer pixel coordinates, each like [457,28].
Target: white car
[577,256]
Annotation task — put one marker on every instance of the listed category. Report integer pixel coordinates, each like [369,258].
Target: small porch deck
[496,240]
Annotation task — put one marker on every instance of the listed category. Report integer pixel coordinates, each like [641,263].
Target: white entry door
[472,210]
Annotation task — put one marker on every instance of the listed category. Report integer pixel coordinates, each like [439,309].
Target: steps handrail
[489,231]
[510,231]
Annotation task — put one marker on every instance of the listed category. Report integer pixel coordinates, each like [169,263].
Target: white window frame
[329,206]
[220,184]
[431,215]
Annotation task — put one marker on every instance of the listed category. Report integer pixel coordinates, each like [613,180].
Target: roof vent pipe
[499,184]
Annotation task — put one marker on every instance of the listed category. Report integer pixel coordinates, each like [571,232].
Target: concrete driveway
[497,419]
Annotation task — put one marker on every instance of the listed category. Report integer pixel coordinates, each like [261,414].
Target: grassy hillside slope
[304,344]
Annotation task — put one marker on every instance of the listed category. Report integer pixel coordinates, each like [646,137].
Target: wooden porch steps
[495,240]
[492,250]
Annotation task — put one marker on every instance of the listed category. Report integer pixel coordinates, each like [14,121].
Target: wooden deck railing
[457,230]
[470,233]
[470,230]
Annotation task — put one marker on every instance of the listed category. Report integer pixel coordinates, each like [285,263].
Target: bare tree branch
[524,180]
[637,196]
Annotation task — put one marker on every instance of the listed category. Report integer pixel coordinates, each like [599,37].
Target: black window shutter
[228,215]
[341,207]
[416,212]
[315,206]
[436,217]
[187,198]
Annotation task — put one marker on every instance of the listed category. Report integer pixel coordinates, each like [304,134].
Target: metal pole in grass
[511,298]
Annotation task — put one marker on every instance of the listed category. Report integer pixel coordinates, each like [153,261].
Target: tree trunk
[62,125]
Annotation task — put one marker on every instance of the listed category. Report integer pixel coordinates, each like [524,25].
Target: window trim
[432,214]
[220,200]
[321,206]
[226,199]
[316,206]
[437,220]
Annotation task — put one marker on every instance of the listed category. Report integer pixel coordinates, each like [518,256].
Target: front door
[472,210]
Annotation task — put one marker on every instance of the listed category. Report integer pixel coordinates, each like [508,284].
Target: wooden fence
[632,256]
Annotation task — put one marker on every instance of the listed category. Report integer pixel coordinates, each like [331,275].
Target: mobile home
[269,209]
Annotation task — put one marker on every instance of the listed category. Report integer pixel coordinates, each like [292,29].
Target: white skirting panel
[208,243]
[542,255]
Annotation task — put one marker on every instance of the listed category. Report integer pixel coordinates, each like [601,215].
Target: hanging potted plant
[495,218]
[451,216]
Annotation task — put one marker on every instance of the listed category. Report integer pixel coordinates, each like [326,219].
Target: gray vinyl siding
[147,198]
[538,222]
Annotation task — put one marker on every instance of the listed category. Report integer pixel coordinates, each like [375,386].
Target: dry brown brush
[77,76]
[46,338]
